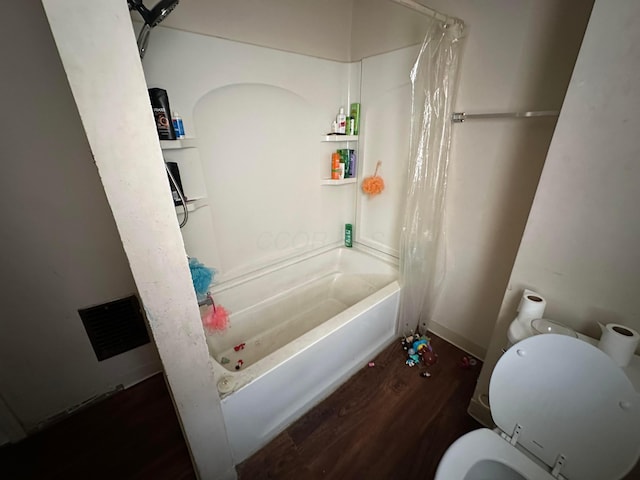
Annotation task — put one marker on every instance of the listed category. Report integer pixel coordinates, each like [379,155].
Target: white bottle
[341,118]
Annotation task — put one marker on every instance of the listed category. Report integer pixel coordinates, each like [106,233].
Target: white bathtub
[307,325]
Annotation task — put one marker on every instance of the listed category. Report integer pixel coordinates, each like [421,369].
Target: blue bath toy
[416,345]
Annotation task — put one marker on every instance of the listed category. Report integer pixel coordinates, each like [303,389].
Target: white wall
[381,26]
[318,28]
[517,56]
[258,115]
[60,248]
[107,81]
[579,249]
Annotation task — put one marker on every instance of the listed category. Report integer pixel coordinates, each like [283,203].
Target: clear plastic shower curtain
[433,80]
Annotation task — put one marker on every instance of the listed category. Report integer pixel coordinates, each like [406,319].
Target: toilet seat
[484,445]
[563,401]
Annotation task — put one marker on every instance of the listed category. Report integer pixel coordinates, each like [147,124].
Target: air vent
[115,327]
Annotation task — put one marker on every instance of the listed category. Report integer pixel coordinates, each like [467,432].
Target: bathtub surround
[259,122]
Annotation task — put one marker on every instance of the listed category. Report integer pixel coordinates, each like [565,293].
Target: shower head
[162,9]
[151,18]
[157,14]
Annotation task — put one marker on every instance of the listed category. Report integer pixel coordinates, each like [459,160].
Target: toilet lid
[570,399]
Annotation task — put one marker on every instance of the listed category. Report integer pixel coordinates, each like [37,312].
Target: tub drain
[226,384]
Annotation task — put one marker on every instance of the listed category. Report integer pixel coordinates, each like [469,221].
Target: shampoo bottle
[162,113]
[341,118]
[348,235]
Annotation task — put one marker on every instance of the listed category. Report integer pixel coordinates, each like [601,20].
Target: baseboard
[481,413]
[132,378]
[60,416]
[11,430]
[458,340]
[229,475]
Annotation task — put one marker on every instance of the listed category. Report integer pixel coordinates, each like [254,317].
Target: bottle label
[162,124]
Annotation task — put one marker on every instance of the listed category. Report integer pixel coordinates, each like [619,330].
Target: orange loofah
[373,185]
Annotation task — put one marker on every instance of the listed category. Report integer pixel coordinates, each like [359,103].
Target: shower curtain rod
[460,117]
[430,12]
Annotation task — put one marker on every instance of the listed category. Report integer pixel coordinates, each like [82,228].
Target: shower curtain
[433,80]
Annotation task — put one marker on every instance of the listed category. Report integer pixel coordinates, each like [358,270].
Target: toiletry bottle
[344,160]
[178,126]
[335,166]
[352,163]
[355,114]
[348,235]
[341,118]
[162,113]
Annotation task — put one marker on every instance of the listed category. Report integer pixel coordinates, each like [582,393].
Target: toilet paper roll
[531,306]
[619,342]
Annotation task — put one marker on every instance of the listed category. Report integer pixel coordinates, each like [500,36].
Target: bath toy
[420,344]
[239,347]
[418,349]
[467,362]
[239,364]
[429,358]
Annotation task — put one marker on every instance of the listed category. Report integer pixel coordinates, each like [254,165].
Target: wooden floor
[387,422]
[133,434]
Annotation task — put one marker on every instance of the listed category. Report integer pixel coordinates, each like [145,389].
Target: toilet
[564,410]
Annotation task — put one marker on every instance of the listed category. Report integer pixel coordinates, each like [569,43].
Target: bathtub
[307,325]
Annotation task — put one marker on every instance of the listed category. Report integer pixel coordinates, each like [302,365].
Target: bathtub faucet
[207,301]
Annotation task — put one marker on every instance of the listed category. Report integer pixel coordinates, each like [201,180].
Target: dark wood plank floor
[386,422]
[132,434]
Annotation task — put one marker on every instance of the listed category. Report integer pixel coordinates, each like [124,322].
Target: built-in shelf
[344,181]
[193,204]
[340,138]
[178,144]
